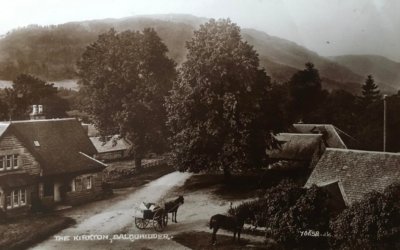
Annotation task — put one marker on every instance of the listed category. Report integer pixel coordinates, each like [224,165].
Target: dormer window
[37,144]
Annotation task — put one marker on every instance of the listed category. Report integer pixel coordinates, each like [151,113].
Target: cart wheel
[160,220]
[141,223]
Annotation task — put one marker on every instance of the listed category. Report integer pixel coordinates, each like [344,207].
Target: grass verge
[25,232]
[242,186]
[143,177]
[202,240]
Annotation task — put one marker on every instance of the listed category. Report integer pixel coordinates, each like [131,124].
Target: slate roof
[330,133]
[62,145]
[120,144]
[299,147]
[358,172]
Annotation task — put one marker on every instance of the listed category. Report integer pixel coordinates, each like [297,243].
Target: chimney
[40,109]
[37,112]
[34,110]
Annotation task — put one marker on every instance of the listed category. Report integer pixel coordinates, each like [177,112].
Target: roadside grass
[202,240]
[140,178]
[25,232]
[243,186]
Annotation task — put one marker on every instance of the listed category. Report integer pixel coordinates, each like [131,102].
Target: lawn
[202,240]
[24,232]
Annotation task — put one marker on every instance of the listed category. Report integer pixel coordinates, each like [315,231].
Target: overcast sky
[329,27]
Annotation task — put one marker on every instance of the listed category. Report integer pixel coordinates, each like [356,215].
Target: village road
[114,219]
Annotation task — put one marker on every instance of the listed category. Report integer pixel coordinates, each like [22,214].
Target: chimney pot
[34,109]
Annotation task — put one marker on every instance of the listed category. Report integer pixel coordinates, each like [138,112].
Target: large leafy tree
[125,78]
[216,107]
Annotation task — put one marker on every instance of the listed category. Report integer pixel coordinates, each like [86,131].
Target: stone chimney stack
[37,113]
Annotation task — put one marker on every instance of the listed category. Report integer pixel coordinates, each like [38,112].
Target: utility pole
[384,123]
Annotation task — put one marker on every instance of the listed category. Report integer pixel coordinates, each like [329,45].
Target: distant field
[68,84]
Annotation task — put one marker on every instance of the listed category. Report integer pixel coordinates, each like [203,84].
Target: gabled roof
[359,172]
[114,144]
[299,147]
[330,133]
[3,128]
[57,145]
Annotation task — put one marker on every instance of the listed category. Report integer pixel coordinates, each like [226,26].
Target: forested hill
[51,52]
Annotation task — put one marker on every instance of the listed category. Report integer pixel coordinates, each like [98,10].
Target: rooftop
[358,171]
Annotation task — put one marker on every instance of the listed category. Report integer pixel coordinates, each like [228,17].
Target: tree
[28,90]
[370,91]
[216,107]
[306,91]
[125,77]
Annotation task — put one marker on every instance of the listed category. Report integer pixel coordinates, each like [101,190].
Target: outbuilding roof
[113,144]
[298,147]
[330,133]
[358,172]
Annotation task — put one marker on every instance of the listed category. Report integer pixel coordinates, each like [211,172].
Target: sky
[328,27]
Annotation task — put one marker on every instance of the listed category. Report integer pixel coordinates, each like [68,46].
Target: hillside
[385,71]
[51,52]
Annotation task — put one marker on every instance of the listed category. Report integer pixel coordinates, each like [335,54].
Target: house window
[89,182]
[8,162]
[22,196]
[15,161]
[8,201]
[2,163]
[15,198]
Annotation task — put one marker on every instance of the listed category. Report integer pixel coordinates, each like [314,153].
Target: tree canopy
[306,93]
[216,107]
[373,223]
[125,77]
[28,90]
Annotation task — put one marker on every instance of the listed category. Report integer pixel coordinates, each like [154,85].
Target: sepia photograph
[199,124]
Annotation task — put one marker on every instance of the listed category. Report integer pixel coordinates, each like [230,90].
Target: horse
[232,223]
[172,207]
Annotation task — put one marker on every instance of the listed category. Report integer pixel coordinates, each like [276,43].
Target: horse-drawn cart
[149,213]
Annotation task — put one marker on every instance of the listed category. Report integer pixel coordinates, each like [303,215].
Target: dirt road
[114,218]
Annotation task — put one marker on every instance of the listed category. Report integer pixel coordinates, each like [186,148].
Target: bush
[373,223]
[259,211]
[288,211]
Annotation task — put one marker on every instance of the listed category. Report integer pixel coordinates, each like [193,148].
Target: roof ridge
[301,134]
[361,151]
[44,120]
[320,124]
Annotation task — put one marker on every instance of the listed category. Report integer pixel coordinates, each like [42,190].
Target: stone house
[46,162]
